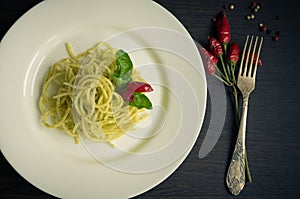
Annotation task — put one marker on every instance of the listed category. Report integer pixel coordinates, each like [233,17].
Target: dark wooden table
[273,138]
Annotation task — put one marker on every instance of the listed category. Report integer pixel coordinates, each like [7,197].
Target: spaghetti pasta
[79,96]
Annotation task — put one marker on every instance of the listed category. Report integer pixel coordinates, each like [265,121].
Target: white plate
[162,50]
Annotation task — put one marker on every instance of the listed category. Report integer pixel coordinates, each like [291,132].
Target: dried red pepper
[223,29]
[215,47]
[213,58]
[210,61]
[211,69]
[232,55]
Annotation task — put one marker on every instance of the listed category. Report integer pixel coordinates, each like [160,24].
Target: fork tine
[248,57]
[257,56]
[252,57]
[246,70]
[243,55]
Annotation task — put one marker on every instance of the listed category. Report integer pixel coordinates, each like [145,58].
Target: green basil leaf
[124,64]
[141,101]
[123,74]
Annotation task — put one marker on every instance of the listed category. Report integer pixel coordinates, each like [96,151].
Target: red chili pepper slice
[139,87]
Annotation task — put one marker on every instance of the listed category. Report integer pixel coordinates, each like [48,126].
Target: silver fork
[236,177]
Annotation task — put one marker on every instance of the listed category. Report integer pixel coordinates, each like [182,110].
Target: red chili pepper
[232,55]
[128,94]
[223,29]
[209,60]
[211,68]
[215,46]
[213,58]
[254,58]
[139,87]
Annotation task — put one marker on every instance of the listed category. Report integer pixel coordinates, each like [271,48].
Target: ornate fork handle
[236,177]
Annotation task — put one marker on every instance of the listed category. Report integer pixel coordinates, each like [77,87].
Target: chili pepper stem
[220,72]
[236,103]
[232,68]
[219,78]
[247,168]
[224,68]
[230,73]
[225,47]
